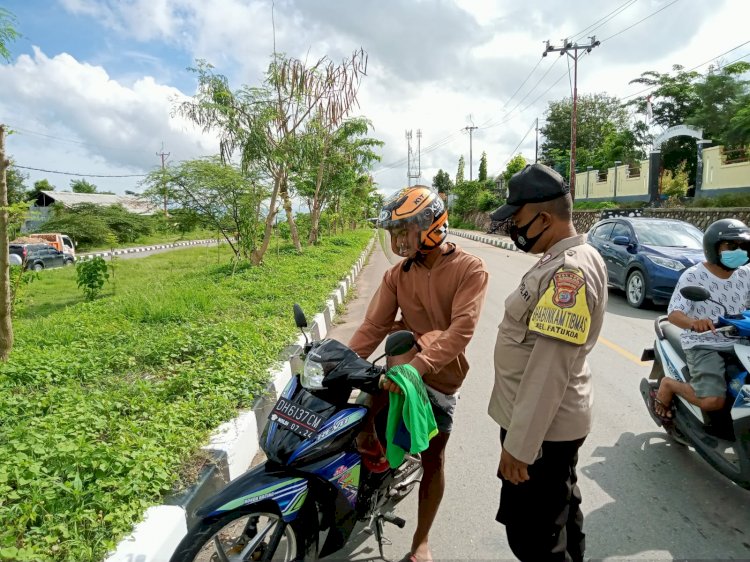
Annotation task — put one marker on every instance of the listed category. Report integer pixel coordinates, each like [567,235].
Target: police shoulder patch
[563,312]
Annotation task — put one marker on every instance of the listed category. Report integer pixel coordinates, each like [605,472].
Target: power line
[61,139]
[512,153]
[696,66]
[509,114]
[641,21]
[80,174]
[607,19]
[513,95]
[507,117]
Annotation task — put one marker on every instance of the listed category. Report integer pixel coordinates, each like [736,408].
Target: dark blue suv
[646,256]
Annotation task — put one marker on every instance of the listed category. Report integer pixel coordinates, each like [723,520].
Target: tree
[673,98]
[483,167]
[91,225]
[8,34]
[516,164]
[230,200]
[330,164]
[738,132]
[82,186]
[722,94]
[39,186]
[264,123]
[442,182]
[599,116]
[460,171]
[16,185]
[713,102]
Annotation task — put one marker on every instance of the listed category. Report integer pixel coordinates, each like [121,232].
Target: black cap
[536,183]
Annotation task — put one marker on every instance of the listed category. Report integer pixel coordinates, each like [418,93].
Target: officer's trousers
[542,516]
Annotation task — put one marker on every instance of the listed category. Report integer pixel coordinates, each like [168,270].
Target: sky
[91,86]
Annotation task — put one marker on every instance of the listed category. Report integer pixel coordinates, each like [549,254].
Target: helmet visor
[399,242]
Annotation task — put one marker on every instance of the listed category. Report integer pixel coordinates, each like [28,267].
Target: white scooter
[722,437]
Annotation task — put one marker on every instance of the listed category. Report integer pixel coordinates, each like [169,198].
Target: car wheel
[66,263]
[38,267]
[635,289]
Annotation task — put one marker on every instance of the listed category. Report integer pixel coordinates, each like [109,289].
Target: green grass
[158,238]
[105,403]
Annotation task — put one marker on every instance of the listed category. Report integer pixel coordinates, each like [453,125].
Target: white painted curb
[487,239]
[163,527]
[145,249]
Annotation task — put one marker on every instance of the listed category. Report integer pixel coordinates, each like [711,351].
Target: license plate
[296,418]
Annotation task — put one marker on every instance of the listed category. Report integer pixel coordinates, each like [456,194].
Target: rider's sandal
[653,401]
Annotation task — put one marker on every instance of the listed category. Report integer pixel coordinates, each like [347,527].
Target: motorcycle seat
[672,334]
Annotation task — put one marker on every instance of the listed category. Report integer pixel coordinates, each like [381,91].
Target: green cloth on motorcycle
[414,409]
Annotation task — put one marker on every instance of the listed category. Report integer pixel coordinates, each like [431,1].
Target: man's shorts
[443,406]
[707,368]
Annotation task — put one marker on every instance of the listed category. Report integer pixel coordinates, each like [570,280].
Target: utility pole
[410,174]
[164,156]
[571,49]
[471,129]
[419,154]
[408,157]
[536,145]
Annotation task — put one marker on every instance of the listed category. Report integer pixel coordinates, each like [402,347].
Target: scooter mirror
[697,294]
[299,316]
[399,343]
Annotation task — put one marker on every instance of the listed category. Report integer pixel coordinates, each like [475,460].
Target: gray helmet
[723,230]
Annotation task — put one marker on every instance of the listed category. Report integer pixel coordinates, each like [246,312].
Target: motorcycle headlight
[666,262]
[312,375]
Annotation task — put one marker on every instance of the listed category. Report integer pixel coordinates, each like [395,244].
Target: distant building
[41,210]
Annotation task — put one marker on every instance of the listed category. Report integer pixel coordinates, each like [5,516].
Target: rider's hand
[513,470]
[390,386]
[702,325]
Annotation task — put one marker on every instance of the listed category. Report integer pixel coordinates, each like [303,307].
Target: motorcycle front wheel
[241,537]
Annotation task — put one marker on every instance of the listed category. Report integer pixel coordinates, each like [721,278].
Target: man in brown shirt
[542,397]
[439,290]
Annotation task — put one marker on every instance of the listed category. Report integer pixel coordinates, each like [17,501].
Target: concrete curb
[146,248]
[230,450]
[486,238]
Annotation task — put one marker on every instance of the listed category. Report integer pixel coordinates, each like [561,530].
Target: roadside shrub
[91,275]
[489,201]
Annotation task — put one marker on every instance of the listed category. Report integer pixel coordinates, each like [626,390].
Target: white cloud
[118,128]
[431,65]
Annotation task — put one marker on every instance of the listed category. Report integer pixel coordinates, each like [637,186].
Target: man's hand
[702,325]
[512,469]
[390,386]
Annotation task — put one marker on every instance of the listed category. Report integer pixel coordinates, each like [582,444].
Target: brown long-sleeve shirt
[447,297]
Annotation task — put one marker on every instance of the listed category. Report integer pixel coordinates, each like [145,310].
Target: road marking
[624,352]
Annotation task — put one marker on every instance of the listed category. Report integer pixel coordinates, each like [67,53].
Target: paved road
[644,497]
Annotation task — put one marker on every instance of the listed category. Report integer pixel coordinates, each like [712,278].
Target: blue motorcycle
[304,502]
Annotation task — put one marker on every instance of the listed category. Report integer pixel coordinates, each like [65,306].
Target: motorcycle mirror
[299,316]
[399,343]
[696,294]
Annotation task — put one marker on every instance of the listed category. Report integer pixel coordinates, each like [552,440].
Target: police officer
[542,396]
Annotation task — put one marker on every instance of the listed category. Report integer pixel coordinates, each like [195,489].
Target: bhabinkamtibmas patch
[562,312]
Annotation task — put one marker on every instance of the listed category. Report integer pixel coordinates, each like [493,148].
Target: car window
[602,231]
[620,229]
[674,234]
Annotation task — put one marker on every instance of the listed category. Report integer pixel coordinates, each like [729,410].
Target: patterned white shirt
[733,293]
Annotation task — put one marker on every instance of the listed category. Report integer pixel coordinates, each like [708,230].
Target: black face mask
[518,235]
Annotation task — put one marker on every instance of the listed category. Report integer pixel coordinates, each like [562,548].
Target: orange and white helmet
[417,205]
